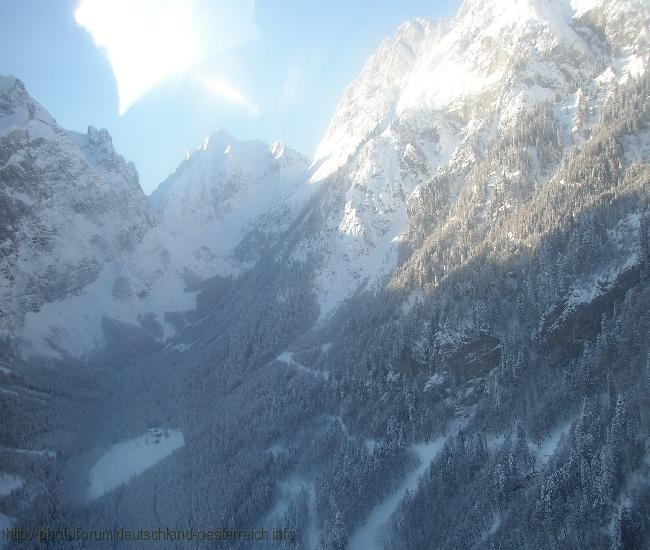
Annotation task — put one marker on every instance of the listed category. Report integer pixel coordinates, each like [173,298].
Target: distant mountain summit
[409,138]
[80,243]
[216,194]
[436,335]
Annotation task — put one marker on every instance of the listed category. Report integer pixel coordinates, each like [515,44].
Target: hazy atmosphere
[270,70]
[325,276]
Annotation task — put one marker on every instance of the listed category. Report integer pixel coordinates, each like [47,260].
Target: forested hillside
[444,342]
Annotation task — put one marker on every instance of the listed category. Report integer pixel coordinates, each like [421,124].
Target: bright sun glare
[147,41]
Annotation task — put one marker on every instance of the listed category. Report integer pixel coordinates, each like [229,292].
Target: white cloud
[147,41]
[223,90]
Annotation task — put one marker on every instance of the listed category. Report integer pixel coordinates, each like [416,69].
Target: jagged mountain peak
[69,205]
[219,191]
[288,158]
[411,33]
[522,11]
[21,113]
[93,163]
[17,107]
[99,137]
[493,56]
[277,149]
[97,146]
[221,147]
[10,81]
[429,101]
[218,139]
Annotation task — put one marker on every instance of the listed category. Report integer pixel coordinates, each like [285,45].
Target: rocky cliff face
[454,299]
[81,243]
[226,190]
[438,108]
[70,205]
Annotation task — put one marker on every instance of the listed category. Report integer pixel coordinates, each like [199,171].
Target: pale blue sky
[283,84]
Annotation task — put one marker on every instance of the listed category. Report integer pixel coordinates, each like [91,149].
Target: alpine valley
[433,335]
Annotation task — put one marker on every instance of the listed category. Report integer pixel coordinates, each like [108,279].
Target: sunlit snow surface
[130,458]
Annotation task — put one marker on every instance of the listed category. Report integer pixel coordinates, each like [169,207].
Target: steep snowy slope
[226,189]
[490,55]
[506,358]
[437,98]
[80,246]
[69,206]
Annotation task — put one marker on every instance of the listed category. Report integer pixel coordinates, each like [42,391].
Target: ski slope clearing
[130,458]
[366,536]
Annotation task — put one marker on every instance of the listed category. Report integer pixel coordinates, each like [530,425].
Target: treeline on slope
[473,329]
[499,289]
[594,491]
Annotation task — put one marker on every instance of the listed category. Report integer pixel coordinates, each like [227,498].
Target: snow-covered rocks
[431,102]
[226,189]
[79,242]
[69,205]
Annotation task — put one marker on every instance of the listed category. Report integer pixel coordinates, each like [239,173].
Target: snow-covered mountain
[487,178]
[429,106]
[81,245]
[492,56]
[225,190]
[70,205]
[433,102]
